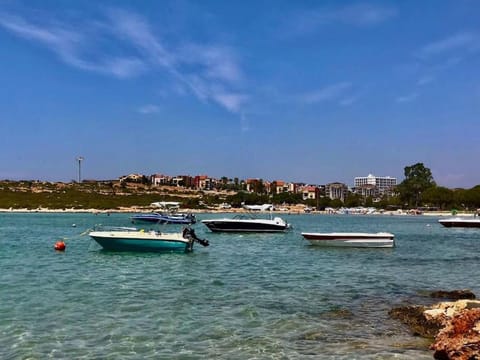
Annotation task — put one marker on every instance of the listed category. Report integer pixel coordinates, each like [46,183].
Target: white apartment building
[384,184]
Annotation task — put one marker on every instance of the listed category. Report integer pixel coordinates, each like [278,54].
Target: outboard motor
[189,233]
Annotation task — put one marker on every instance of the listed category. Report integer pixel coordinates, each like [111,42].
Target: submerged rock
[414,316]
[453,295]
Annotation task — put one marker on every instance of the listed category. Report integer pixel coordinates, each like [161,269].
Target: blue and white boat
[132,239]
[163,218]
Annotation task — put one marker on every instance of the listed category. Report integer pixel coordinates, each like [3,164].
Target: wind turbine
[80,159]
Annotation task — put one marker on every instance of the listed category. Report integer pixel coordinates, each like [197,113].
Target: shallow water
[251,296]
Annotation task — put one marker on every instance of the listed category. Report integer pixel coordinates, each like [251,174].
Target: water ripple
[244,297]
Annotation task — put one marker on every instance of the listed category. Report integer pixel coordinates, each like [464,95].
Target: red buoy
[60,246]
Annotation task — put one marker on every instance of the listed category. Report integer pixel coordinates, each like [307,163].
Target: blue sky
[305,91]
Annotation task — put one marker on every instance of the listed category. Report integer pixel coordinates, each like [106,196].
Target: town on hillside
[418,191]
[370,186]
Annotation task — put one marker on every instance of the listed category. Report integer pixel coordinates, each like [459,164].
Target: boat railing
[254,215]
[101,227]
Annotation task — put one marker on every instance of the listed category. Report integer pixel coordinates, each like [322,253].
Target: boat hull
[461,223]
[362,240]
[244,226]
[141,241]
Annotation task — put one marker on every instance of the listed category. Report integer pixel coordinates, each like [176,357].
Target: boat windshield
[100,227]
[251,216]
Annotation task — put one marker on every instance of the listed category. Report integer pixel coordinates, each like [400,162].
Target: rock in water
[460,339]
[414,316]
[453,295]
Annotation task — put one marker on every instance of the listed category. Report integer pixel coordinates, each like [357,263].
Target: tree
[259,187]
[369,201]
[438,196]
[323,202]
[353,200]
[418,178]
[287,198]
[236,183]
[336,203]
[470,198]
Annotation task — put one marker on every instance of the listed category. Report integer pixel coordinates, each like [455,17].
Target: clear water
[268,296]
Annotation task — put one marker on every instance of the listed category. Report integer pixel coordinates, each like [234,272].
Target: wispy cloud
[426,79]
[70,46]
[356,15]
[210,72]
[230,101]
[350,100]
[328,93]
[205,69]
[463,41]
[437,56]
[407,98]
[149,109]
[215,62]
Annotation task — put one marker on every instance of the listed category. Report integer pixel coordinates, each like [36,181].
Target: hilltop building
[336,190]
[135,178]
[203,182]
[374,186]
[309,192]
[159,179]
[279,186]
[255,185]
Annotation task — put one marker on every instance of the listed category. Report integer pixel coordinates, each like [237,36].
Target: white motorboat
[461,222]
[264,207]
[351,239]
[245,223]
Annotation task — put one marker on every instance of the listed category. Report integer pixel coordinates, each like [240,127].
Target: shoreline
[292,211]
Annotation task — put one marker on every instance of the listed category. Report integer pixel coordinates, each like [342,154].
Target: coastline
[292,211]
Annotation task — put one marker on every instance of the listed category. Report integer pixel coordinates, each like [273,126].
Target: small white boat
[132,239]
[264,207]
[350,239]
[461,222]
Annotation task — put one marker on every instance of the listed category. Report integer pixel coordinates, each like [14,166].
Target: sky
[300,91]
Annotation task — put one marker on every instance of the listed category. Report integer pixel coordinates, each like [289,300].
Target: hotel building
[382,184]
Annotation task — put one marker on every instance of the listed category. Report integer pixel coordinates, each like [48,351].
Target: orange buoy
[60,246]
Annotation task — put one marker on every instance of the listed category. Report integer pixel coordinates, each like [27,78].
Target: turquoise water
[268,296]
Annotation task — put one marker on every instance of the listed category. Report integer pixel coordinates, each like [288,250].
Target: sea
[246,296]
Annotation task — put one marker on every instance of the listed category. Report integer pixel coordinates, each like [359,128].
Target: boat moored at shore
[132,239]
[163,218]
[461,222]
[351,239]
[245,223]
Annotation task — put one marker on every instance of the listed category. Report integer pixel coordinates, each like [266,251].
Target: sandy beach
[299,209]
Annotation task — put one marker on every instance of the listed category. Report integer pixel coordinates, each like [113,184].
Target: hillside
[97,195]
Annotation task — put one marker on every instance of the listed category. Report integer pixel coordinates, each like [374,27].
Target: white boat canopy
[166,204]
